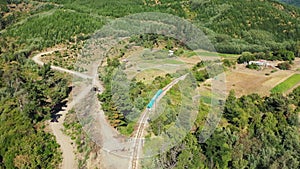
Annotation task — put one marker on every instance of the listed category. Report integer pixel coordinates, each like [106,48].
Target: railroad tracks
[138,140]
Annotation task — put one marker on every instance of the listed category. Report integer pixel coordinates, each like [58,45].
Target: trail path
[65,142]
[108,132]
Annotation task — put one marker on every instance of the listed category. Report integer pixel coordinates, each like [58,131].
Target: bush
[253,66]
[246,57]
[284,66]
[228,63]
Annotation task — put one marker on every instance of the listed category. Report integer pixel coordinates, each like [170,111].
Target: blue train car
[151,103]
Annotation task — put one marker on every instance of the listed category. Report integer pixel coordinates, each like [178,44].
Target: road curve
[37,59]
[107,131]
[69,161]
[65,142]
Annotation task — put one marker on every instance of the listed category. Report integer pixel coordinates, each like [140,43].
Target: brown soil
[247,81]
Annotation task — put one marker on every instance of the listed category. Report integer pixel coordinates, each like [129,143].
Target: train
[151,103]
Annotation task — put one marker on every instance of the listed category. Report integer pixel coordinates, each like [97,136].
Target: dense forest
[255,132]
[28,96]
[237,27]
[232,26]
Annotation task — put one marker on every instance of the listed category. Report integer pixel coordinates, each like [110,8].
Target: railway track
[138,139]
[138,143]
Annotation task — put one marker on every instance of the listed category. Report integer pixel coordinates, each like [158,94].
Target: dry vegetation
[65,58]
[247,81]
[87,150]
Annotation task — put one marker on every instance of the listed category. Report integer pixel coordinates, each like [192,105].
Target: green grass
[127,130]
[209,99]
[213,54]
[173,61]
[207,54]
[190,53]
[224,55]
[287,84]
[206,99]
[216,54]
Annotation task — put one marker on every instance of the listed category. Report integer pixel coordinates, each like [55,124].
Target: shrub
[284,66]
[253,66]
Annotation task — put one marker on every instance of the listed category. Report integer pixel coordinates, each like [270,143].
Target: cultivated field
[287,84]
[246,81]
[146,65]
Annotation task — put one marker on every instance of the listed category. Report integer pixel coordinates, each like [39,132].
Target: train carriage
[151,103]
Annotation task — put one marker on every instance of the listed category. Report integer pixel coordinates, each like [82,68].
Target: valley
[149,84]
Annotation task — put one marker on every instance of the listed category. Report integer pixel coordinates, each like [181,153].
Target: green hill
[30,95]
[232,25]
[255,132]
[248,25]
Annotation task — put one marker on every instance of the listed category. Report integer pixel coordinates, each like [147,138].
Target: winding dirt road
[37,60]
[110,137]
[65,142]
[68,151]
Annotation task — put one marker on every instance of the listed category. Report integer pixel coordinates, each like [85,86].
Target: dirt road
[114,147]
[63,140]
[79,97]
[37,59]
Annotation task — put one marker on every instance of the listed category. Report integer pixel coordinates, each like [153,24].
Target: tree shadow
[55,115]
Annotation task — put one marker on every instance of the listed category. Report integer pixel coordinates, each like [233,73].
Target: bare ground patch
[246,81]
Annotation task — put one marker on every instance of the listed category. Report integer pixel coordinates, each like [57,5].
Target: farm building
[261,63]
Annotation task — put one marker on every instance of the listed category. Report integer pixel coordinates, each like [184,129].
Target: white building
[260,63]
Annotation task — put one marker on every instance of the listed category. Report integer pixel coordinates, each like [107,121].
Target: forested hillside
[248,25]
[233,26]
[255,132]
[60,26]
[29,94]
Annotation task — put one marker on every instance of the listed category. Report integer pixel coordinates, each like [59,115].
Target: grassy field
[149,75]
[287,84]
